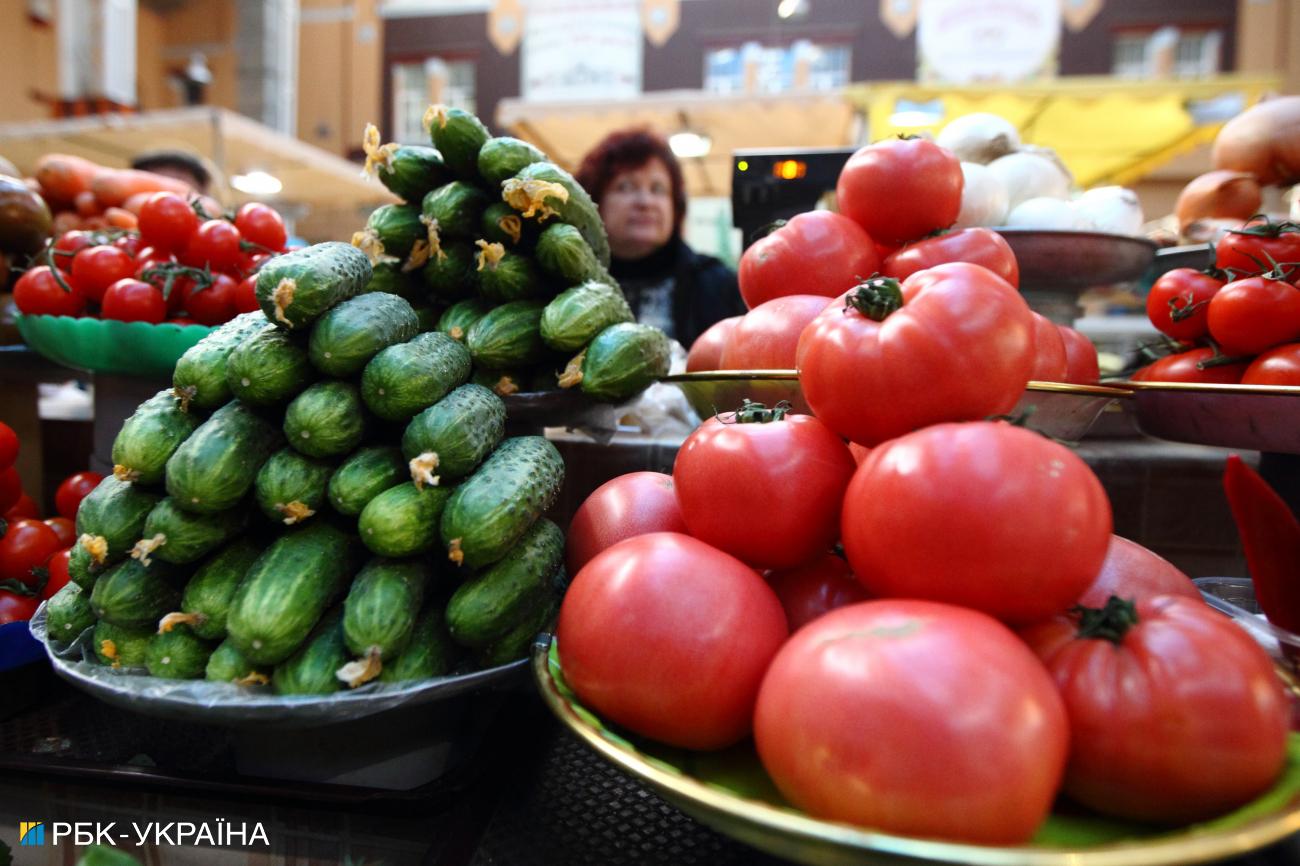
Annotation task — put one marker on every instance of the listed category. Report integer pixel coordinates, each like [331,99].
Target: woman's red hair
[628,150]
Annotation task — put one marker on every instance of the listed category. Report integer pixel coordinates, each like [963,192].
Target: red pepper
[1270,535]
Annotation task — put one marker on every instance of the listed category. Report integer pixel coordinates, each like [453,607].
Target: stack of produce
[504,252]
[322,499]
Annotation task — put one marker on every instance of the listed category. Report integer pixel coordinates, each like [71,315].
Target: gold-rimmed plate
[1254,417]
[729,792]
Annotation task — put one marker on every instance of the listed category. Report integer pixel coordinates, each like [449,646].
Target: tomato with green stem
[1204,365]
[1178,304]
[1258,246]
[98,267]
[42,291]
[214,303]
[167,221]
[901,189]
[215,244]
[1252,315]
[25,546]
[262,226]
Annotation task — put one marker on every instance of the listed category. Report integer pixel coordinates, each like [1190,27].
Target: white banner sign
[581,50]
[963,42]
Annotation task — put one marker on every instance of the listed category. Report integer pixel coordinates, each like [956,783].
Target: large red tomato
[815,253]
[983,514]
[73,489]
[1211,712]
[957,343]
[914,718]
[767,337]
[1179,303]
[1051,363]
[1253,315]
[1196,365]
[631,504]
[1279,366]
[1133,572]
[1081,366]
[1257,247]
[670,637]
[901,189]
[807,591]
[979,246]
[25,546]
[706,351]
[764,486]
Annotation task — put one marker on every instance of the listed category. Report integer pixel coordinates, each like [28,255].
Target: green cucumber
[133,595]
[365,474]
[459,136]
[296,288]
[506,276]
[311,669]
[429,653]
[172,534]
[403,520]
[459,430]
[394,278]
[83,570]
[410,170]
[544,189]
[110,520]
[405,379]
[120,646]
[68,613]
[269,368]
[379,614]
[326,420]
[449,274]
[498,504]
[153,432]
[178,654]
[502,158]
[215,467]
[205,602]
[228,664]
[496,600]
[348,336]
[577,315]
[515,644]
[501,224]
[288,588]
[390,232]
[562,253]
[199,379]
[503,383]
[291,488]
[455,211]
[621,362]
[508,336]
[460,316]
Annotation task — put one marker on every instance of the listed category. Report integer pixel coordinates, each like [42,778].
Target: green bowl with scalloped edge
[110,346]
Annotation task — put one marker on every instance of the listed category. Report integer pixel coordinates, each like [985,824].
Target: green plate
[110,346]
[730,792]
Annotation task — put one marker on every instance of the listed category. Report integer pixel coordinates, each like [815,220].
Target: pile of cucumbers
[505,252]
[323,499]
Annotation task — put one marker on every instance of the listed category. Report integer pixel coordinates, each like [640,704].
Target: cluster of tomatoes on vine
[181,266]
[1238,322]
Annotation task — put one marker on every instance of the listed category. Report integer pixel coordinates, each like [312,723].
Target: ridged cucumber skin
[462,429]
[493,602]
[150,436]
[412,170]
[623,360]
[501,224]
[365,474]
[311,670]
[269,368]
[461,316]
[199,379]
[288,477]
[491,511]
[455,210]
[211,589]
[513,278]
[381,607]
[578,210]
[287,589]
[397,227]
[345,339]
[228,664]
[502,157]
[459,136]
[215,467]
[296,288]
[326,420]
[389,277]
[178,654]
[82,568]
[186,536]
[450,274]
[115,511]
[508,336]
[405,379]
[577,315]
[68,613]
[403,520]
[563,254]
[129,646]
[515,644]
[429,653]
[132,595]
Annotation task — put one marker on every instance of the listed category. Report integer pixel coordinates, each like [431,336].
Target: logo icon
[31,833]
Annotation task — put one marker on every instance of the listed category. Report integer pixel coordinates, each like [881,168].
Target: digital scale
[769,184]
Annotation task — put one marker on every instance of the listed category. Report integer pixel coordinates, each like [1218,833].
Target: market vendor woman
[634,177]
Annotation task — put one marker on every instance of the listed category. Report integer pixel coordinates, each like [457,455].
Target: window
[1167,53]
[1197,55]
[1130,55]
[419,83]
[776,68]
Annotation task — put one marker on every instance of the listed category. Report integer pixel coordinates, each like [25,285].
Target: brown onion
[1218,194]
[1263,140]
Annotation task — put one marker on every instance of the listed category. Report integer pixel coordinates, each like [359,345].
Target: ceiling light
[789,8]
[689,145]
[257,183]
